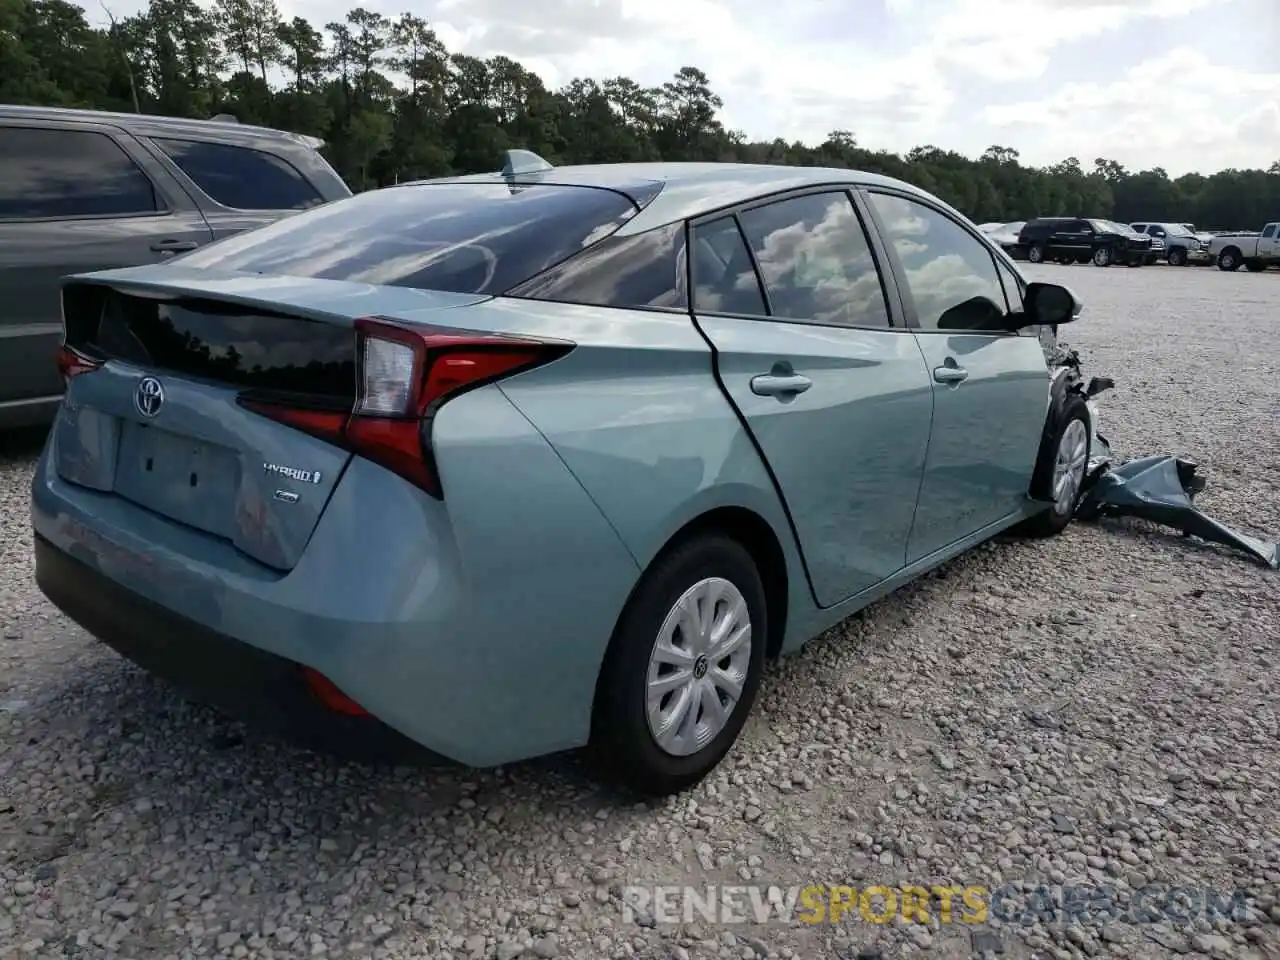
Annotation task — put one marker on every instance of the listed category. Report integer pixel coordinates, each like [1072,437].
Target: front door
[837,399]
[74,197]
[990,386]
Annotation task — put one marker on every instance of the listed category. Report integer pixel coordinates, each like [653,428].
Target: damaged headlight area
[1160,489]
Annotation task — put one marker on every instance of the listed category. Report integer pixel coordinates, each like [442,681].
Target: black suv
[1081,239]
[82,190]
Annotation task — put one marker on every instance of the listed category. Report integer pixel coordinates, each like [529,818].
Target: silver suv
[1180,245]
[82,190]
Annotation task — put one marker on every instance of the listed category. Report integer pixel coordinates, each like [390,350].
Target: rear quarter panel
[637,415]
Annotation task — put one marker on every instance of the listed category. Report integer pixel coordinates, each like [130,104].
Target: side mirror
[1049,304]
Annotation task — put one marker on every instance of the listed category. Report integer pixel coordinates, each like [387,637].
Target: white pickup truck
[1255,251]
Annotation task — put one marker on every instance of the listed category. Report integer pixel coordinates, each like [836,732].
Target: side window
[950,274]
[1270,230]
[47,173]
[1156,231]
[724,281]
[240,177]
[645,270]
[816,262]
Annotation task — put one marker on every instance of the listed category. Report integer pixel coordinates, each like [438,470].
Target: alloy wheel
[1069,466]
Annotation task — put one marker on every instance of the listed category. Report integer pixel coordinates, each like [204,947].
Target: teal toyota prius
[502,465]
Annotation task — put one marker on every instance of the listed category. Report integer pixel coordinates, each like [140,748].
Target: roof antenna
[521,163]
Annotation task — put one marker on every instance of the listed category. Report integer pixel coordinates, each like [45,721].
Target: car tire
[1036,253]
[1103,257]
[625,745]
[1255,266]
[1229,260]
[1064,452]
[1177,257]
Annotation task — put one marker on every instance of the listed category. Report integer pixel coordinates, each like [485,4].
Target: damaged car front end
[1160,489]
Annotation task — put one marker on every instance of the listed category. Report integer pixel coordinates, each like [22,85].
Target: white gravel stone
[1098,709]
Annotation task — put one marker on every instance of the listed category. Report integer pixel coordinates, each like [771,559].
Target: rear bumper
[244,681]
[474,627]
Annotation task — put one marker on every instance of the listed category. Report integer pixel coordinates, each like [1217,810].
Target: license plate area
[185,479]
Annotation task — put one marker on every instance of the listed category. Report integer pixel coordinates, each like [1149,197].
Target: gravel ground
[1099,710]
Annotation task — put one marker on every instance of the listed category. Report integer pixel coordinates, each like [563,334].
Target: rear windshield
[482,238]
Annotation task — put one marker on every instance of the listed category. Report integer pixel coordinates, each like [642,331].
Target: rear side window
[482,238]
[241,177]
[67,175]
[724,280]
[646,270]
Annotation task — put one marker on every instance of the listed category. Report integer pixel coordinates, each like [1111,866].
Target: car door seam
[768,468]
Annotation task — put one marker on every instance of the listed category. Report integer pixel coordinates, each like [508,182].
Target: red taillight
[405,375]
[72,364]
[328,694]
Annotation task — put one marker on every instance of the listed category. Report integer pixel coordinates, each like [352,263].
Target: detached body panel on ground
[518,465]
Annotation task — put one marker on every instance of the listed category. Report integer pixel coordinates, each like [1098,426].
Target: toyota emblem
[149,397]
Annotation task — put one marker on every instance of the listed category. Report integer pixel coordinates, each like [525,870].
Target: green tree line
[393,104]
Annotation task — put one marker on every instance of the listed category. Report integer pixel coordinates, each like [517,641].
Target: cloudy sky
[1182,84]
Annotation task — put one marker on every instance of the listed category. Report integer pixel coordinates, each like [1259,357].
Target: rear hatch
[160,422]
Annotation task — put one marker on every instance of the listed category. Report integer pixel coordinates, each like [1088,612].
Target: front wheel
[1177,257]
[682,669]
[1229,260]
[1102,257]
[1064,457]
[1036,253]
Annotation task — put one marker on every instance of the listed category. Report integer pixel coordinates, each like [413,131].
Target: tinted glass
[460,237]
[1269,231]
[645,270]
[816,262]
[724,281]
[950,274]
[240,177]
[68,174]
[214,341]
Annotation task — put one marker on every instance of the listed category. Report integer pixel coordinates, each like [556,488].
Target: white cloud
[960,74]
[1178,111]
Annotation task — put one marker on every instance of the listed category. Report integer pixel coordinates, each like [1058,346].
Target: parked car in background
[1004,234]
[82,190]
[518,462]
[1081,240]
[1255,252]
[1180,245]
[1205,235]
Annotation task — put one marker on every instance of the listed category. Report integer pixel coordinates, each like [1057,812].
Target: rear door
[991,387]
[239,187]
[790,295]
[74,197]
[1269,242]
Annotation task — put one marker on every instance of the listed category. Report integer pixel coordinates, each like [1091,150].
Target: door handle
[173,246]
[950,374]
[775,385]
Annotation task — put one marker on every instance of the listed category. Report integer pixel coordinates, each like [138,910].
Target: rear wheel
[682,669]
[1102,257]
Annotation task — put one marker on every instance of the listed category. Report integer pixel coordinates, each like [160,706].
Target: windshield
[1178,230]
[1108,226]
